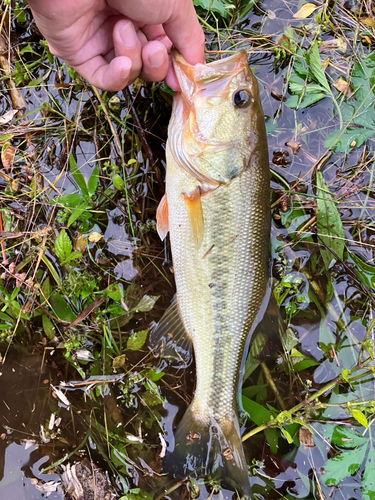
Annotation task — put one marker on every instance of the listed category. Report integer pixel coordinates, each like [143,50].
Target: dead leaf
[305,11]
[5,177]
[368,21]
[7,155]
[343,86]
[333,44]
[277,96]
[62,85]
[95,237]
[13,184]
[284,42]
[305,438]
[294,145]
[80,243]
[8,116]
[366,39]
[342,44]
[86,312]
[119,362]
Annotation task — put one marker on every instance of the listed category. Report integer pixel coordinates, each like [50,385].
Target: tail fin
[209,449]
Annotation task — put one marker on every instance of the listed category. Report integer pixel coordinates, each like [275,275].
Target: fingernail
[157,58]
[128,36]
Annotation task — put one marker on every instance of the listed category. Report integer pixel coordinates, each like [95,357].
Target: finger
[157,33]
[155,61]
[171,78]
[178,18]
[184,30]
[127,43]
[112,77]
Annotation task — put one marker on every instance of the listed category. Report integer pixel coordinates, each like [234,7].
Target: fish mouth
[210,72]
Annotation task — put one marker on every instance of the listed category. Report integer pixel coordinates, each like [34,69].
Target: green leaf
[137,340]
[286,435]
[77,213]
[315,64]
[364,271]
[360,417]
[38,81]
[63,245]
[154,375]
[46,288]
[289,340]
[328,223]
[48,327]
[343,466]
[251,365]
[74,255]
[304,364]
[137,494]
[368,478]
[115,292]
[352,137]
[344,437]
[363,79]
[118,182]
[7,319]
[61,308]
[93,181]
[257,413]
[310,99]
[146,303]
[70,200]
[51,269]
[292,101]
[215,5]
[77,176]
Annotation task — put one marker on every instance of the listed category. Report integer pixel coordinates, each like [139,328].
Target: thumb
[185,32]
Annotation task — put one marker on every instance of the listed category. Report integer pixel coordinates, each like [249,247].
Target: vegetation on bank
[84,274]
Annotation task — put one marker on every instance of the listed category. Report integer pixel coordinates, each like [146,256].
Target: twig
[173,488]
[105,111]
[142,135]
[272,384]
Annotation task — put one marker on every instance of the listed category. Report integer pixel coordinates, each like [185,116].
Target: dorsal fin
[162,221]
[193,204]
[170,339]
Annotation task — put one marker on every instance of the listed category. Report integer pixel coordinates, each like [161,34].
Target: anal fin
[162,218]
[170,339]
[193,204]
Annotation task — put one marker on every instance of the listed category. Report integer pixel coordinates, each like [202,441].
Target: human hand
[112,42]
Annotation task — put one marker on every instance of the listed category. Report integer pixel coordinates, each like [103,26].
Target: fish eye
[242,98]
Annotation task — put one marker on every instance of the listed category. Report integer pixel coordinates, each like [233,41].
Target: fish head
[217,119]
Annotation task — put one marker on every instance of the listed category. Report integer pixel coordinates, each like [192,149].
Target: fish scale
[217,213]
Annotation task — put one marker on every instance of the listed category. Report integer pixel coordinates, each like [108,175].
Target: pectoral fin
[193,204]
[162,222]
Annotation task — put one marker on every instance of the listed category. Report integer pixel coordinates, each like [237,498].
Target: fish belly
[221,284]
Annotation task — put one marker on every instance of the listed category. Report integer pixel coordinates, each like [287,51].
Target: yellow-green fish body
[217,212]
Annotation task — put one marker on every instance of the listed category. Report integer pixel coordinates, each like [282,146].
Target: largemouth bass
[216,210]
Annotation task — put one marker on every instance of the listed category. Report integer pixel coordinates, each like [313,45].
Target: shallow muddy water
[117,422]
